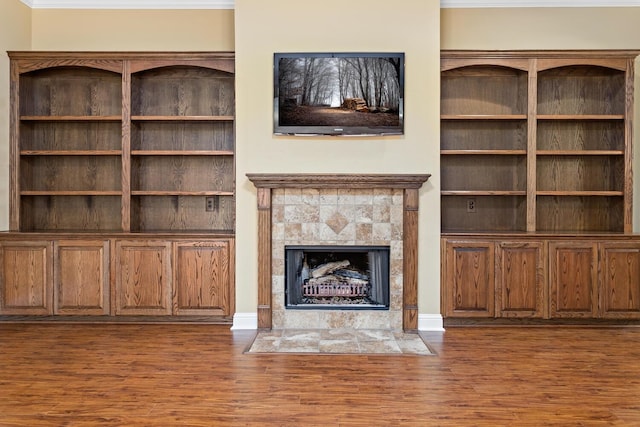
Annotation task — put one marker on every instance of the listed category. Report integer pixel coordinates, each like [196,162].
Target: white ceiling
[229,4]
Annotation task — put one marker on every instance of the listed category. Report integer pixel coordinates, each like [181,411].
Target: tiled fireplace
[338,213]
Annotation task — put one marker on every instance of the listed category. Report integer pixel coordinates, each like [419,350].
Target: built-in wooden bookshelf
[536,152]
[133,154]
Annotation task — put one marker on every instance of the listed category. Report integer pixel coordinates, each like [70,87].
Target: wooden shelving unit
[536,151]
[121,151]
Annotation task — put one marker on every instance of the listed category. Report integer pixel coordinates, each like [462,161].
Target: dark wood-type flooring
[197,375]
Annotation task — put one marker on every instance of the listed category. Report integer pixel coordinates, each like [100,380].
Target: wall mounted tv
[354,94]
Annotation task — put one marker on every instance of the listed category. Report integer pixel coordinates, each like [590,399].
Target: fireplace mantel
[409,183]
[274,180]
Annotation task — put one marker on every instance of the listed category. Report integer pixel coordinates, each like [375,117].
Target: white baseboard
[245,321]
[430,322]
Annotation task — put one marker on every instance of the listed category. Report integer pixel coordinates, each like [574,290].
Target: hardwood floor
[197,375]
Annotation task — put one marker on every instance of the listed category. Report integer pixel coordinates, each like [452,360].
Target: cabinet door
[81,277]
[142,277]
[520,274]
[25,278]
[620,280]
[468,288]
[203,278]
[573,279]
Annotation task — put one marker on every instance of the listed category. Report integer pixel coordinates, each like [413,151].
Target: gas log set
[337,277]
[334,281]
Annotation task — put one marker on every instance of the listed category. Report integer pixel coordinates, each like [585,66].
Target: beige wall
[540,28]
[550,28]
[15,34]
[264,27]
[126,30]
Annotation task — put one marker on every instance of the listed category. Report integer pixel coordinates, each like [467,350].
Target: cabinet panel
[573,279]
[620,280]
[26,279]
[470,279]
[203,278]
[520,274]
[81,280]
[142,277]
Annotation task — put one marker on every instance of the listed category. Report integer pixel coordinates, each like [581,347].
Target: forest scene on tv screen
[339,91]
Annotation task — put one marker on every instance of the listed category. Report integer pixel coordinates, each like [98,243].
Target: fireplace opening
[337,277]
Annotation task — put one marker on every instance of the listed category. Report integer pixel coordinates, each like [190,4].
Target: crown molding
[230,4]
[129,4]
[537,3]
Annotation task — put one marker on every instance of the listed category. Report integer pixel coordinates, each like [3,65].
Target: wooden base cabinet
[26,279]
[202,273]
[117,276]
[541,278]
[520,279]
[620,283]
[573,281]
[142,277]
[81,277]
[469,270]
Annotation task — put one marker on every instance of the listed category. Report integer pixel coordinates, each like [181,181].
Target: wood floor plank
[199,375]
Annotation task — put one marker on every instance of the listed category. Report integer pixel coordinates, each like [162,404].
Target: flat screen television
[357,94]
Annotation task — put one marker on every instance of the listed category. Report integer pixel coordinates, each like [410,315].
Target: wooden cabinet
[470,267]
[487,278]
[26,277]
[180,277]
[536,155]
[125,161]
[202,272]
[535,277]
[573,279]
[81,277]
[536,141]
[620,280]
[520,279]
[142,271]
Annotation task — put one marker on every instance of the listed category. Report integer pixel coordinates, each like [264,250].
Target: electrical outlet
[210,203]
[471,205]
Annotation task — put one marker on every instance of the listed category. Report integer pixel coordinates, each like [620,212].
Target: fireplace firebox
[337,277]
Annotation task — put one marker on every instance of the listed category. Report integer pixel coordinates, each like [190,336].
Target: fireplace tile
[364,214]
[338,346]
[292,196]
[310,196]
[381,213]
[364,233]
[381,232]
[337,217]
[328,196]
[337,222]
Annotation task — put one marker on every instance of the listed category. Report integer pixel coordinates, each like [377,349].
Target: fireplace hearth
[337,277]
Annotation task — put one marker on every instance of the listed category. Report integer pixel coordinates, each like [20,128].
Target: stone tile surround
[363,217]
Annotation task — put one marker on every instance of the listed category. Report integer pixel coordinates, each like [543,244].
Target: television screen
[338,93]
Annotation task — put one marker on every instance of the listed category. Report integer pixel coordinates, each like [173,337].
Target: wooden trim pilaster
[410,260]
[264,258]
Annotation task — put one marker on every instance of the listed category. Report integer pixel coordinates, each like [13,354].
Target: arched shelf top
[465,64]
[114,67]
[222,65]
[479,69]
